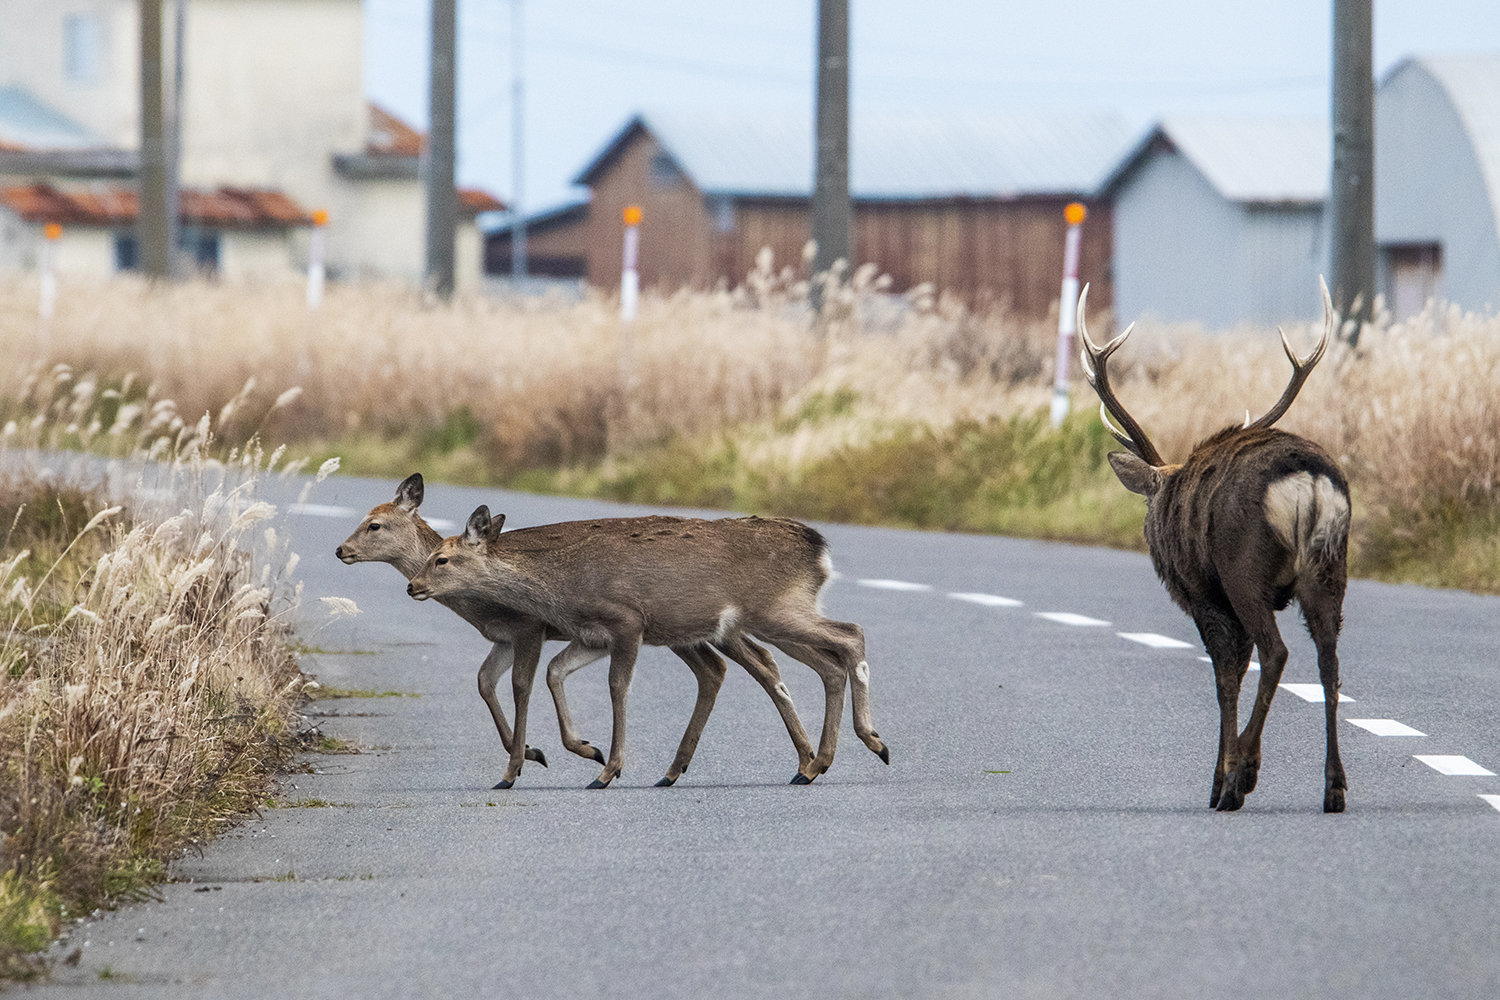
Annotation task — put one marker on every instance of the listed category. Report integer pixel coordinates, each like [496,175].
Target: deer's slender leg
[859,687]
[1244,756]
[490,671]
[623,651]
[528,651]
[1229,647]
[1324,618]
[709,669]
[835,677]
[575,657]
[758,662]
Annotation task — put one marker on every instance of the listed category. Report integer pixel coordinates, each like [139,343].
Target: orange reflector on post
[52,230]
[632,215]
[1075,213]
[320,217]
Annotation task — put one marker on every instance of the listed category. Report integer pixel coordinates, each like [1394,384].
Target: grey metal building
[1219,221]
[1437,182]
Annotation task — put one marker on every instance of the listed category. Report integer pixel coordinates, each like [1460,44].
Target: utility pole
[832,214]
[175,262]
[1351,191]
[517,148]
[152,223]
[442,198]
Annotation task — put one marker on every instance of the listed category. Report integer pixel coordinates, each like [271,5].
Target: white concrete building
[273,101]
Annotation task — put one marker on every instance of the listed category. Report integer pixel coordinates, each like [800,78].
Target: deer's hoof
[596,783]
[532,753]
[598,754]
[505,784]
[1333,800]
[884,753]
[666,782]
[1249,775]
[801,779]
[1231,798]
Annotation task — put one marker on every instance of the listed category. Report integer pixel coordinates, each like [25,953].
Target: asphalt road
[1042,830]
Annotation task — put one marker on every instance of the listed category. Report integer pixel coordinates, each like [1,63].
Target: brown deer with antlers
[1252,519]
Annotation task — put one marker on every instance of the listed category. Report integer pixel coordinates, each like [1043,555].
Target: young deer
[1252,519]
[395,533]
[663,581]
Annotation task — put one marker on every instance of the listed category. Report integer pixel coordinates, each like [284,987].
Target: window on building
[83,47]
[199,247]
[664,171]
[1414,274]
[722,210]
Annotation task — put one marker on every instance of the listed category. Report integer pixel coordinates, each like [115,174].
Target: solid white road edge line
[894,585]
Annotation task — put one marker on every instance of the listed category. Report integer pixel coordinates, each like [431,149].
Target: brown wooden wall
[987,250]
[676,231]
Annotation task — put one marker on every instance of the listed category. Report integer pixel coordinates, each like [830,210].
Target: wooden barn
[973,204]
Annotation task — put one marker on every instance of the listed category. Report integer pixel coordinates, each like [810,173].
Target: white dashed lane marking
[1453,763]
[988,600]
[1069,618]
[1311,692]
[1385,727]
[1253,665]
[1155,641]
[894,585]
[1493,800]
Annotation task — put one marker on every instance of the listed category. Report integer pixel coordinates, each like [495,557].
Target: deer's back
[1237,506]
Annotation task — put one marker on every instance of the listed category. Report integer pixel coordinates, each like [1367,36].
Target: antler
[1301,367]
[1094,361]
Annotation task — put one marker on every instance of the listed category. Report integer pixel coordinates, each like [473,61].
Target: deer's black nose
[338,553]
[409,592]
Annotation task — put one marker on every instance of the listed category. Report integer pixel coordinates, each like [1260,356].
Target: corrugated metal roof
[974,155]
[26,123]
[1472,82]
[1258,159]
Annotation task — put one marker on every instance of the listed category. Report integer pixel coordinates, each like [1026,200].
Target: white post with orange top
[1067,310]
[51,233]
[316,248]
[630,280]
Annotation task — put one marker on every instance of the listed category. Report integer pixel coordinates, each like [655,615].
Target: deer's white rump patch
[1308,513]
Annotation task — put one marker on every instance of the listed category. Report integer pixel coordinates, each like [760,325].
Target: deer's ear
[497,525]
[478,526]
[1137,475]
[409,493]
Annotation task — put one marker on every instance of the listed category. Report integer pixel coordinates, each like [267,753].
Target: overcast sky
[589,64]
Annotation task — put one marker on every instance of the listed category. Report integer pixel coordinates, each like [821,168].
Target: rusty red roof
[476,200]
[231,208]
[390,136]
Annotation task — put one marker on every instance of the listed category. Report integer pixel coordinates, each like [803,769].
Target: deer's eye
[374,525]
[442,561]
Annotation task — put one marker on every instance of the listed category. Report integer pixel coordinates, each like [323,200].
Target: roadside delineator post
[51,233]
[316,248]
[1067,309]
[630,281]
